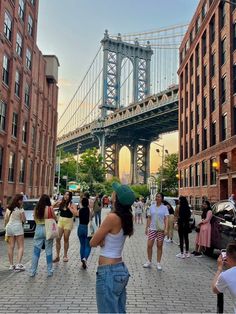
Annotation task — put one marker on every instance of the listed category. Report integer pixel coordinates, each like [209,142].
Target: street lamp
[77,163]
[163,152]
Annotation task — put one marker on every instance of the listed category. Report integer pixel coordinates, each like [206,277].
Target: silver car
[29,205]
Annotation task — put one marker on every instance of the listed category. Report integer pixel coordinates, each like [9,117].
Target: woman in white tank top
[112,274]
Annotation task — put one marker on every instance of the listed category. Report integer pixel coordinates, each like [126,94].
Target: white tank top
[114,244]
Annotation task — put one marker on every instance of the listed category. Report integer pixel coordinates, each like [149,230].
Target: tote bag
[51,227]
[91,229]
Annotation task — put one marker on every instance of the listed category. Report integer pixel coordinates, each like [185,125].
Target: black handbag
[197,229]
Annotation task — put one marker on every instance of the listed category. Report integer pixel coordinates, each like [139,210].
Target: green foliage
[68,166]
[140,190]
[170,170]
[91,168]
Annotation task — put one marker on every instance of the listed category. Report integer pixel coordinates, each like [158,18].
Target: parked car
[76,201]
[29,205]
[223,225]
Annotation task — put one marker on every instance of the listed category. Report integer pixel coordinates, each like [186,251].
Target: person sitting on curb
[227,279]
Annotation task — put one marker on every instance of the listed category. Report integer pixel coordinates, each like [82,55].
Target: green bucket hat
[124,193]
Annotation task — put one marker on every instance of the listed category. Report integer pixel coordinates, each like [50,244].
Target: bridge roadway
[146,119]
[182,287]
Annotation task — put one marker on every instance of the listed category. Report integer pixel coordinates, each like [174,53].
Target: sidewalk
[182,287]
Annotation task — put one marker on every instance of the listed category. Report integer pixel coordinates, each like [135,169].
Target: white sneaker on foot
[180,255]
[188,254]
[19,267]
[11,267]
[159,266]
[147,264]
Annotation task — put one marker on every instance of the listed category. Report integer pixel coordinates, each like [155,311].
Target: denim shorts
[111,288]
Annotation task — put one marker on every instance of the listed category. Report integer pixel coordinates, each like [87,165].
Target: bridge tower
[114,51]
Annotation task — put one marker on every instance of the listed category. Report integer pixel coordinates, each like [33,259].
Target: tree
[68,165]
[169,179]
[91,168]
[140,190]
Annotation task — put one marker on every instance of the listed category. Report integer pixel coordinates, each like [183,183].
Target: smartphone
[223,254]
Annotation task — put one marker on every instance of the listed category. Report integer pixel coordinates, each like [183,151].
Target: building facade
[28,104]
[207,104]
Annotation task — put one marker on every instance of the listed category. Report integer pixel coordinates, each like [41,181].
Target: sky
[73,29]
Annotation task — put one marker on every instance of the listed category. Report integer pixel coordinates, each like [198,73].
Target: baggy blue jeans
[97,216]
[111,288]
[39,239]
[85,248]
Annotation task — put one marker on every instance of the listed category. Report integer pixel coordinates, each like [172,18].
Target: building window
[197,174]
[22,170]
[234,35]
[197,114]
[30,25]
[186,125]
[213,63]
[204,10]
[222,14]
[213,99]
[191,66]
[186,74]
[181,105]
[181,178]
[11,167]
[28,58]
[191,92]
[17,84]
[223,89]
[14,124]
[181,129]
[181,152]
[204,172]
[223,51]
[33,136]
[204,107]
[224,127]
[213,173]
[204,139]
[6,68]
[197,143]
[234,78]
[19,45]
[204,75]
[191,120]
[7,26]
[198,85]
[31,173]
[198,24]
[186,100]
[1,161]
[212,30]
[197,56]
[3,110]
[191,147]
[27,95]
[213,133]
[24,132]
[191,176]
[186,150]
[21,9]
[234,113]
[186,177]
[204,46]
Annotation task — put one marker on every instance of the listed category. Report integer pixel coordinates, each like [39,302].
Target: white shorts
[14,230]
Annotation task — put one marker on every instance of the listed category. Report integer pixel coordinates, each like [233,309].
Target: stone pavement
[182,287]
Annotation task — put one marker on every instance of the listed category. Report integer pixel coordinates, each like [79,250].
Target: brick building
[207,104]
[28,104]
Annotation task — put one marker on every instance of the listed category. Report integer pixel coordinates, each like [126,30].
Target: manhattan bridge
[128,97]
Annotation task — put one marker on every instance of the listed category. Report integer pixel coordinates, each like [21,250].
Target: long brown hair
[15,202]
[64,202]
[40,207]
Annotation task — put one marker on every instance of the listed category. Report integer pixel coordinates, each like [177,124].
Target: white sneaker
[159,266]
[19,267]
[148,264]
[180,255]
[11,267]
[188,254]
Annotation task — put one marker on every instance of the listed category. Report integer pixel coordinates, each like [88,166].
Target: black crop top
[84,213]
[66,213]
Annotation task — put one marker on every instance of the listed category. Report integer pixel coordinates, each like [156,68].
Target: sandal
[65,259]
[56,260]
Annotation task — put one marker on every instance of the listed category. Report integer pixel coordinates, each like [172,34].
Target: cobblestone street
[182,286]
